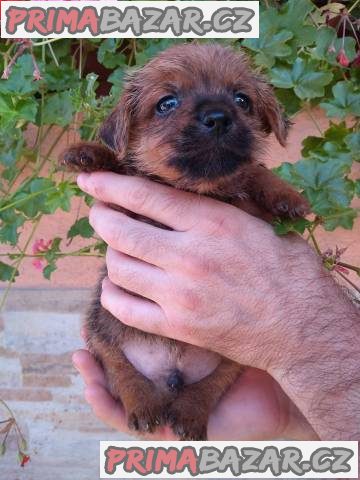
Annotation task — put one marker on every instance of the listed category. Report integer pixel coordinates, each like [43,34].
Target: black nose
[217,121]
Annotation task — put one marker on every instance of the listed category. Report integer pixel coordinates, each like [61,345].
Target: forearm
[320,364]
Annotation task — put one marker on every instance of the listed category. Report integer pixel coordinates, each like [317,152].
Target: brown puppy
[195,117]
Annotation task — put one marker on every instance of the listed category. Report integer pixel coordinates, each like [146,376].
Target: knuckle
[218,225]
[139,197]
[98,188]
[188,299]
[205,266]
[200,266]
[115,235]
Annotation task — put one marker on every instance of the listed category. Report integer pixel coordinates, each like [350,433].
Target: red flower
[342,58]
[24,459]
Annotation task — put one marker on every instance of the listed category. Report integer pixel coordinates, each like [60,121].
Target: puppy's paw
[290,204]
[145,419]
[186,425]
[87,157]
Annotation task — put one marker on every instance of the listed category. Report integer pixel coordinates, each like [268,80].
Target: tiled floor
[38,332]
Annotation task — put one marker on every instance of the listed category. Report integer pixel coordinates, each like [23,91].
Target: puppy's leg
[189,413]
[143,403]
[90,157]
[273,194]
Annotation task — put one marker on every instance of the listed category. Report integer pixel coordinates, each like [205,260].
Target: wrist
[319,363]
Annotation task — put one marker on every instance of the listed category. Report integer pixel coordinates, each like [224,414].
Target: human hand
[255,280]
[222,280]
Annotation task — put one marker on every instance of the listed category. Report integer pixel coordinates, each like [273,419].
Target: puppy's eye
[167,104]
[243,101]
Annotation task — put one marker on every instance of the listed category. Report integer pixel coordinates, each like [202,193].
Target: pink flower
[40,246]
[342,58]
[37,263]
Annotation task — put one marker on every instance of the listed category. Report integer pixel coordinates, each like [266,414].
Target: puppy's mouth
[200,156]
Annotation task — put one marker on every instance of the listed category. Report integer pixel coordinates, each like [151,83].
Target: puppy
[196,118]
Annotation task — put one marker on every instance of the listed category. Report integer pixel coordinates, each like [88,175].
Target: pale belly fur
[158,360]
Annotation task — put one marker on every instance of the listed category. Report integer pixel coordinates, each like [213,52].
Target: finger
[105,407]
[133,311]
[176,209]
[134,275]
[132,237]
[88,368]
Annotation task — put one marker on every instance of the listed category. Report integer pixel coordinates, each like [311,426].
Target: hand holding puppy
[266,311]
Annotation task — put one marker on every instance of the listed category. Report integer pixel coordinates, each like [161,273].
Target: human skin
[273,308]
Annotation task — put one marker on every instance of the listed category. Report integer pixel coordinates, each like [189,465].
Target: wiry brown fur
[139,142]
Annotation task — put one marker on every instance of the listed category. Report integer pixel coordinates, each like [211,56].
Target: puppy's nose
[217,121]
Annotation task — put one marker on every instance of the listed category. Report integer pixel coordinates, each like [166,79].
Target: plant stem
[349,281]
[22,200]
[350,267]
[316,245]
[46,42]
[354,6]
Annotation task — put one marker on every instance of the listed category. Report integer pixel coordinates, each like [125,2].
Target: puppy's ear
[115,130]
[272,115]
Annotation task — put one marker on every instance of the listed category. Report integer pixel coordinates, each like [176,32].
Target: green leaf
[285,226]
[353,143]
[270,45]
[48,270]
[303,76]
[342,218]
[289,100]
[346,101]
[7,272]
[328,46]
[59,79]
[11,145]
[58,109]
[21,80]
[323,176]
[82,228]
[11,221]
[357,188]
[61,197]
[108,54]
[32,196]
[13,109]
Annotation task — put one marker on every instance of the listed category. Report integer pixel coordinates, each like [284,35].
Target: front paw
[145,419]
[290,204]
[88,157]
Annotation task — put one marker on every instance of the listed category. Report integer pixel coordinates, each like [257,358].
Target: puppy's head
[194,115]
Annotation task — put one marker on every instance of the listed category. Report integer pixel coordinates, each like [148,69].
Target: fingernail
[82,180]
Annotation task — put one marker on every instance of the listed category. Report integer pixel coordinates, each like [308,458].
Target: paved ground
[43,389]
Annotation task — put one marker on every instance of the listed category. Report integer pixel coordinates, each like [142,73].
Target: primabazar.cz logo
[132,19]
[218,460]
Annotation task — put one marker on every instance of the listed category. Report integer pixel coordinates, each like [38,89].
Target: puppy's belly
[158,360]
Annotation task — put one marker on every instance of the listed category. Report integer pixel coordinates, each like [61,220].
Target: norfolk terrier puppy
[195,117]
